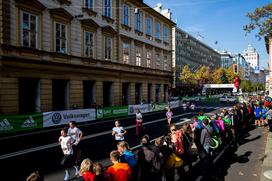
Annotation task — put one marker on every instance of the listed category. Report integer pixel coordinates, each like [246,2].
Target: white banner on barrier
[144,108]
[57,118]
[174,104]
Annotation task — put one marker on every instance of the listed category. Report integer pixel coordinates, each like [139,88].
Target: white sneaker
[66,177]
[77,171]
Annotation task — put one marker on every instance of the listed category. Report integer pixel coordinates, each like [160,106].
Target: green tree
[203,74]
[246,86]
[260,19]
[219,76]
[186,76]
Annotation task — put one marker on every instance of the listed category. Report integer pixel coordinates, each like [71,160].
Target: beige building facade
[268,44]
[64,54]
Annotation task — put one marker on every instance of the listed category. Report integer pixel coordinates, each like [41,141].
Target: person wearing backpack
[197,127]
[127,156]
[206,142]
[147,160]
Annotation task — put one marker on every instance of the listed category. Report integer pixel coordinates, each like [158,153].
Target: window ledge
[126,27]
[158,40]
[60,55]
[139,32]
[89,60]
[30,50]
[108,19]
[165,43]
[90,12]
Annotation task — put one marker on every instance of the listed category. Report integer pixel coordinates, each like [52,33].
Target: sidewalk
[267,162]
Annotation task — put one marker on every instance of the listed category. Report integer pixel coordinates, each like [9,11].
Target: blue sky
[217,20]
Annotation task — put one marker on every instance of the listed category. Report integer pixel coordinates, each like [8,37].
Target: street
[42,152]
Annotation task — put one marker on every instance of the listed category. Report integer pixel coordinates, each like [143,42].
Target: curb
[267,163]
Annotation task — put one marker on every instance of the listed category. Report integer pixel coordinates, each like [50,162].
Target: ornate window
[88,44]
[108,48]
[126,53]
[88,4]
[148,58]
[158,30]
[165,34]
[126,15]
[29,30]
[107,8]
[60,38]
[138,21]
[148,26]
[138,57]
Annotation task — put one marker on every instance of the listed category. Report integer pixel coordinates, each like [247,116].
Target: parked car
[228,99]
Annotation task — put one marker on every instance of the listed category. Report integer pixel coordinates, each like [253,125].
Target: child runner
[77,135]
[66,143]
[118,132]
[169,115]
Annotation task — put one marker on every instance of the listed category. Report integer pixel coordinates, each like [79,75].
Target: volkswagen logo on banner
[56,118]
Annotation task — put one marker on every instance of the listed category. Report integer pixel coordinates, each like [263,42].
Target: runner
[66,143]
[169,115]
[192,106]
[139,123]
[77,135]
[184,105]
[118,132]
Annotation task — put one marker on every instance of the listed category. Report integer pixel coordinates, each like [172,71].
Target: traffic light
[235,69]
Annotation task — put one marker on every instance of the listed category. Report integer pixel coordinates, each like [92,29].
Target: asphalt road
[97,145]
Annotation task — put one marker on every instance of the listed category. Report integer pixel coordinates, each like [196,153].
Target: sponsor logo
[29,123]
[131,110]
[56,118]
[120,111]
[5,125]
[99,113]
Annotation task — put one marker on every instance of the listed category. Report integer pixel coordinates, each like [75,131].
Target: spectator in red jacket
[86,170]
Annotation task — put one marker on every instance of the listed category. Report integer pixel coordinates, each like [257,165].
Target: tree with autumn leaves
[205,75]
[186,76]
